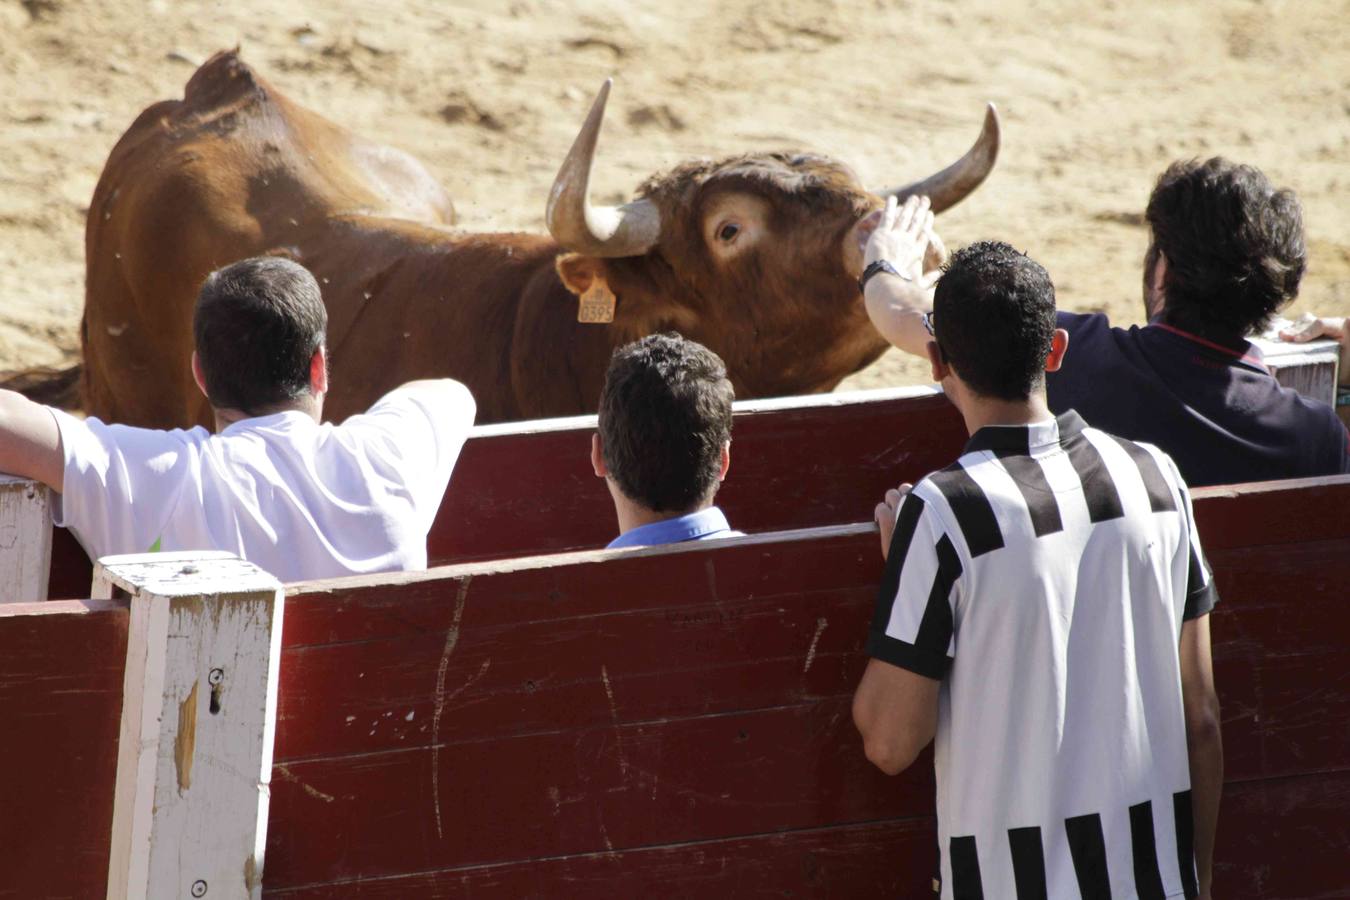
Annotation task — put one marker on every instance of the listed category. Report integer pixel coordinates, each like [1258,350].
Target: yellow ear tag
[597,304]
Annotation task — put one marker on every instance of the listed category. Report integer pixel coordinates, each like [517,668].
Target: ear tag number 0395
[597,304]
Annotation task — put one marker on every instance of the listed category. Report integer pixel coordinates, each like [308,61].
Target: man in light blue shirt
[664,441]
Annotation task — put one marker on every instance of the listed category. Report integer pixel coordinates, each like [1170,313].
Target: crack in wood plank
[451,639]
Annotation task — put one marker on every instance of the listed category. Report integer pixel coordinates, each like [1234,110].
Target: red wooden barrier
[669,722]
[796,463]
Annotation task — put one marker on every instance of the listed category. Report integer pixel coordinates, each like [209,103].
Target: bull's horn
[950,186]
[607,231]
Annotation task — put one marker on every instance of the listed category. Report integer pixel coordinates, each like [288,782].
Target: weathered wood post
[25,539]
[198,718]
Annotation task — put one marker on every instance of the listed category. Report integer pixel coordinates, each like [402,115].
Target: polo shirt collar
[1244,353]
[689,527]
[1023,439]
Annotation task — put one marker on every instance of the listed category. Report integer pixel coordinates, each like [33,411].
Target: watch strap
[878,266]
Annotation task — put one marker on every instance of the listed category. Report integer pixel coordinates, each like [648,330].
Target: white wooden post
[198,717]
[25,539]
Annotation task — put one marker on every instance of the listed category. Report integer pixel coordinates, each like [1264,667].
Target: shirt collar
[293,417]
[688,527]
[1245,353]
[1023,439]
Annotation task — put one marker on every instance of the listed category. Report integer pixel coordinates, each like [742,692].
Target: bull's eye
[727,233]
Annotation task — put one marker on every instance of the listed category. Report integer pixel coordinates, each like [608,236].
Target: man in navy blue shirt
[664,440]
[1226,252]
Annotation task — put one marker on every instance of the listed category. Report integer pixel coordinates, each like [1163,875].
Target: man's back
[1217,411]
[299,499]
[1046,575]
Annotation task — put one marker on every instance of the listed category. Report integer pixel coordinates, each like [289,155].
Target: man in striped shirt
[1044,614]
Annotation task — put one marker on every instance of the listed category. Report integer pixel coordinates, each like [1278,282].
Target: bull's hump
[223,80]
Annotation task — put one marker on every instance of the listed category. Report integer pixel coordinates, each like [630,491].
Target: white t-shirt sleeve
[417,431]
[121,484]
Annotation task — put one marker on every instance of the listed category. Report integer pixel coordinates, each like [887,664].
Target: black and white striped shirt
[1044,578]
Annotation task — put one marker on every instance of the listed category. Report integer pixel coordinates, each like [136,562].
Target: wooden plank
[795,464]
[25,539]
[1283,839]
[61,666]
[892,859]
[735,630]
[585,790]
[198,714]
[1273,512]
[700,659]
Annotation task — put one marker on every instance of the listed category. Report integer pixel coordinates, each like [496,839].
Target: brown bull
[754,256]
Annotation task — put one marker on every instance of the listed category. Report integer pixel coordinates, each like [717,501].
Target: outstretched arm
[1203,740]
[30,443]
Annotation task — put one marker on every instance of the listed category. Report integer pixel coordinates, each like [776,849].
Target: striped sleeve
[913,624]
[1201,595]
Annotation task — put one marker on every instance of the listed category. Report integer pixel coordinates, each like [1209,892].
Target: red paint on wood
[1273,512]
[1285,838]
[888,859]
[60,704]
[580,790]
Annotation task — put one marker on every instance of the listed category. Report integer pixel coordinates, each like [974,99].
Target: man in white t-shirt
[1045,616]
[298,498]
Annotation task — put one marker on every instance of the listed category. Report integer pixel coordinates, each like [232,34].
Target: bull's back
[232,170]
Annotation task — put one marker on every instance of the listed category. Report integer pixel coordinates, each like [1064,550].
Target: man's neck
[980,412]
[309,406]
[634,515]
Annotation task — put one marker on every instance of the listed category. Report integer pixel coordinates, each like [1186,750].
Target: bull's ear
[579,272]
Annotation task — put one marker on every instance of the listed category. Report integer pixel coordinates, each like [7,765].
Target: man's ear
[939,365]
[598,457]
[579,272]
[1160,272]
[1155,296]
[726,462]
[1059,344]
[318,371]
[197,374]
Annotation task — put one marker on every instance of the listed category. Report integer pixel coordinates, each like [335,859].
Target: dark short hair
[665,413]
[994,314]
[257,324]
[1234,246]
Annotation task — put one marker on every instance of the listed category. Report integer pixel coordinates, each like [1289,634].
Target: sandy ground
[1096,98]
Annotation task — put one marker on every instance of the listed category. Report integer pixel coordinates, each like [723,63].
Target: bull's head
[755,256]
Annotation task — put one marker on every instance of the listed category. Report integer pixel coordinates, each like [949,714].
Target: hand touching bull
[904,237]
[902,260]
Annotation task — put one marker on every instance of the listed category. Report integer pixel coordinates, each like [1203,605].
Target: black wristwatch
[873,268]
